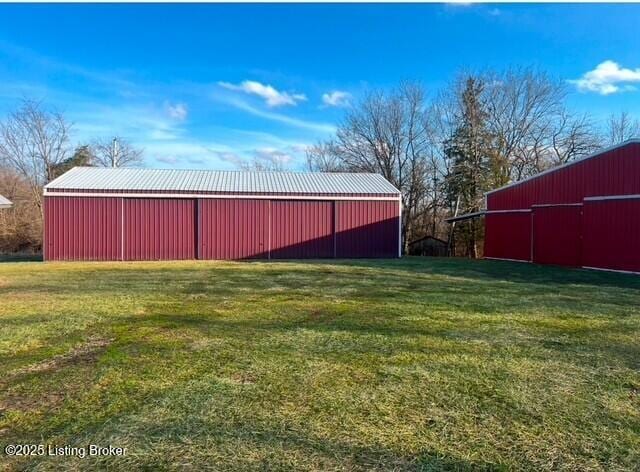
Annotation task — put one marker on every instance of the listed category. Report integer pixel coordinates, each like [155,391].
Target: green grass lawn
[417,364]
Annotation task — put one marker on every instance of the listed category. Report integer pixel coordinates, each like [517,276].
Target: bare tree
[20,225]
[520,104]
[533,129]
[324,157]
[572,137]
[115,152]
[385,133]
[622,127]
[261,165]
[33,141]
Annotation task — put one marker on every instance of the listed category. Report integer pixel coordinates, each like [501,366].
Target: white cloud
[336,98]
[178,112]
[274,156]
[310,125]
[608,78]
[271,96]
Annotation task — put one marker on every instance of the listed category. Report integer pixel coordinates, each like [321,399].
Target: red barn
[582,214]
[150,214]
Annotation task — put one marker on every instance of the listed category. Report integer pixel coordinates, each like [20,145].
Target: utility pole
[114,153]
[451,242]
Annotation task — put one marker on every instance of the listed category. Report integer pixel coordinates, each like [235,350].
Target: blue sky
[206,86]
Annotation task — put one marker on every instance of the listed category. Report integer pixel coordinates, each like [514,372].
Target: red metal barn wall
[302,229]
[612,234]
[137,228]
[367,229]
[508,235]
[583,214]
[159,229]
[82,229]
[233,229]
[614,172]
[557,235]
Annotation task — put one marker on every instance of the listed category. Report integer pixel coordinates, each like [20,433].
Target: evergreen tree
[82,156]
[468,151]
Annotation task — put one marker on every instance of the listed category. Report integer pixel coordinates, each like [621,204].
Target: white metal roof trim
[92,178]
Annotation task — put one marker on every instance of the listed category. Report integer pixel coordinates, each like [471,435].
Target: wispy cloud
[178,111]
[273,156]
[282,158]
[608,78]
[271,96]
[288,120]
[171,121]
[459,4]
[336,98]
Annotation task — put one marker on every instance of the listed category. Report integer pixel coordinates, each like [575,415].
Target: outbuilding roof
[5,203]
[97,179]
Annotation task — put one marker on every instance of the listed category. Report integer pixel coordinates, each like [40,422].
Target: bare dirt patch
[81,357]
[86,352]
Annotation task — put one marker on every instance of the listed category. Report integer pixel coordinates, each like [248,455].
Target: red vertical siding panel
[157,229]
[614,172]
[80,228]
[557,235]
[233,229]
[508,236]
[611,234]
[301,229]
[367,228]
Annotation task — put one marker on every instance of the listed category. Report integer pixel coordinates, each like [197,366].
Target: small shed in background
[428,246]
[5,203]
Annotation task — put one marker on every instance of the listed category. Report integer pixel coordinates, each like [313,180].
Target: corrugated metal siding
[557,235]
[223,182]
[508,236]
[367,229]
[159,229]
[82,229]
[301,229]
[614,172]
[103,228]
[233,229]
[612,234]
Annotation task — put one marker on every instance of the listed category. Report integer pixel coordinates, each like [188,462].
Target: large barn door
[557,235]
[301,229]
[233,229]
[612,233]
[508,235]
[82,229]
[367,228]
[159,229]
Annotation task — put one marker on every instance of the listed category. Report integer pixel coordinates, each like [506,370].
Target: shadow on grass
[498,270]
[20,258]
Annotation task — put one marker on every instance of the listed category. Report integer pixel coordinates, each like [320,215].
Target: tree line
[443,151]
[35,148]
[483,131]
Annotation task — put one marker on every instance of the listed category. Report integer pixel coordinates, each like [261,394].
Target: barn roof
[97,179]
[4,202]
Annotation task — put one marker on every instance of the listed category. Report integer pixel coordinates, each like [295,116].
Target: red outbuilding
[150,214]
[585,213]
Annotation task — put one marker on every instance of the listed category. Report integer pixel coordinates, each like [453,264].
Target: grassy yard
[418,364]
